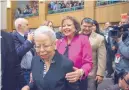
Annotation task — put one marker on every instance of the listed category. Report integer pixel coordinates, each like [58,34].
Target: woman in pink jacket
[77,48]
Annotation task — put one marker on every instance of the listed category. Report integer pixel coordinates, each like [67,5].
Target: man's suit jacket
[55,77]
[22,46]
[98,53]
[10,67]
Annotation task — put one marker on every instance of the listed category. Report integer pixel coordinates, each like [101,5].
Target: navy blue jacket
[22,46]
[55,77]
[10,67]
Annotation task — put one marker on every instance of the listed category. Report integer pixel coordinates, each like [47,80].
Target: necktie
[66,51]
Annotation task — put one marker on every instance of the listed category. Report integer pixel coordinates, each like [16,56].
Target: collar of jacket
[93,34]
[55,57]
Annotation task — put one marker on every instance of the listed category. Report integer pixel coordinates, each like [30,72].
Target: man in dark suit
[23,46]
[10,67]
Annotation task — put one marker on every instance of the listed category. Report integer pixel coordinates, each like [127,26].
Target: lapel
[21,38]
[53,66]
[92,38]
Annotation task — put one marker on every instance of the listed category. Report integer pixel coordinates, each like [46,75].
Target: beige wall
[102,14]
[110,13]
[57,18]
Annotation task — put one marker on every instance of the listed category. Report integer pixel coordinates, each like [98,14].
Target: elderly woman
[78,49]
[49,67]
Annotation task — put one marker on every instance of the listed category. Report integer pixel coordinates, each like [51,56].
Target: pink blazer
[80,52]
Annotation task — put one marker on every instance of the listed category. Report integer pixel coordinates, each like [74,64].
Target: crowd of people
[28,10]
[63,6]
[74,58]
[106,2]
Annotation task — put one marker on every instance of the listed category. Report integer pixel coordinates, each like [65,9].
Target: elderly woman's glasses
[45,47]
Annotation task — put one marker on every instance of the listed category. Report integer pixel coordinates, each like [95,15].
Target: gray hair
[47,31]
[19,21]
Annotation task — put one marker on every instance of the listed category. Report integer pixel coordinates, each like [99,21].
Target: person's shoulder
[101,37]
[5,34]
[35,60]
[14,35]
[81,37]
[65,61]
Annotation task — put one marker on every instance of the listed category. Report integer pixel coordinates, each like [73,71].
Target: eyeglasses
[45,47]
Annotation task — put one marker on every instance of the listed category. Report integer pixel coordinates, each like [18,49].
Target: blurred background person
[97,42]
[59,33]
[95,27]
[49,24]
[78,49]
[110,47]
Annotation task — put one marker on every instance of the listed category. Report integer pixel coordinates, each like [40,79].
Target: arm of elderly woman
[87,63]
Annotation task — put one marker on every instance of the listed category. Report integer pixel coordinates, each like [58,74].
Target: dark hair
[75,22]
[87,20]
[97,26]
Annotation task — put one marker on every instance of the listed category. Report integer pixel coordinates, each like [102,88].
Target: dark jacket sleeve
[71,86]
[22,48]
[32,84]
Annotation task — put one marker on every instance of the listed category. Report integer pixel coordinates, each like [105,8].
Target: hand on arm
[75,75]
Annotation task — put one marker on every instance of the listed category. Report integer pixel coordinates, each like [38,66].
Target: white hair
[45,30]
[19,21]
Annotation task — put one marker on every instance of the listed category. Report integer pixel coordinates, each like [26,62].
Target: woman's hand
[26,88]
[75,75]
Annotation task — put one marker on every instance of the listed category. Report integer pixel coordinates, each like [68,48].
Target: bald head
[21,25]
